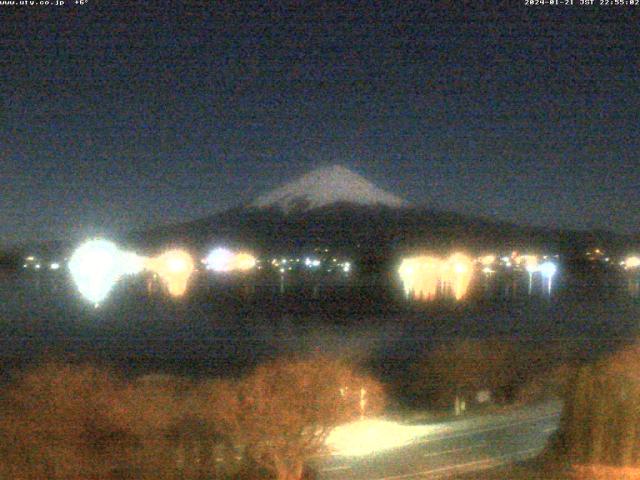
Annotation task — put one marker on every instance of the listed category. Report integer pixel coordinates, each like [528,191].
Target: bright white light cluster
[311,262]
[548,269]
[219,260]
[97,265]
[224,260]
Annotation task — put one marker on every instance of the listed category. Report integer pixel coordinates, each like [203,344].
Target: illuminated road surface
[460,446]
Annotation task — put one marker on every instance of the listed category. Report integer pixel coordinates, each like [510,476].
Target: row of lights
[97,265]
[33,262]
[631,262]
[288,264]
[424,276]
[513,260]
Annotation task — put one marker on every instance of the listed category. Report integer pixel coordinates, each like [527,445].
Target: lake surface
[225,327]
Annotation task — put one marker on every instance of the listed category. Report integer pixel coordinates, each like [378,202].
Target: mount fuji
[337,208]
[327,186]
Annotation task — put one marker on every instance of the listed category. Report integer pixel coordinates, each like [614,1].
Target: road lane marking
[453,450]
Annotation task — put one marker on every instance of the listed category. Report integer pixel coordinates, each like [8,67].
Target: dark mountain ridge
[369,228]
[337,208]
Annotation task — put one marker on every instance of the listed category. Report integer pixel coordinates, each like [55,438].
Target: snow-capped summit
[326,186]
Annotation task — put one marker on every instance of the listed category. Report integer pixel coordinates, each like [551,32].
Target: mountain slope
[327,186]
[335,207]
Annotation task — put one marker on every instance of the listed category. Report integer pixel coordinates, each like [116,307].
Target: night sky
[114,117]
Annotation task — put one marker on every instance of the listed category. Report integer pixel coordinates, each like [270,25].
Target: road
[459,446]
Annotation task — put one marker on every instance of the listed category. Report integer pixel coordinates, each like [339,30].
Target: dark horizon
[116,119]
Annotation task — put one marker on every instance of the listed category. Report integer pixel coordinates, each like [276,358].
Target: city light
[531,269]
[311,262]
[530,261]
[174,268]
[54,266]
[487,260]
[131,263]
[548,270]
[424,276]
[244,261]
[224,260]
[457,274]
[506,261]
[219,260]
[97,265]
[631,262]
[421,276]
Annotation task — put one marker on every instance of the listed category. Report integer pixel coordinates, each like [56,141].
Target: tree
[284,410]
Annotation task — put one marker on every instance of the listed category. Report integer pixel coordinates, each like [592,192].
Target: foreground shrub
[77,423]
[508,369]
[80,423]
[59,422]
[600,472]
[601,423]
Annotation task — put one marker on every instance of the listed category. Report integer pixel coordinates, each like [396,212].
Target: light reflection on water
[42,291]
[426,278]
[517,284]
[219,324]
[633,286]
